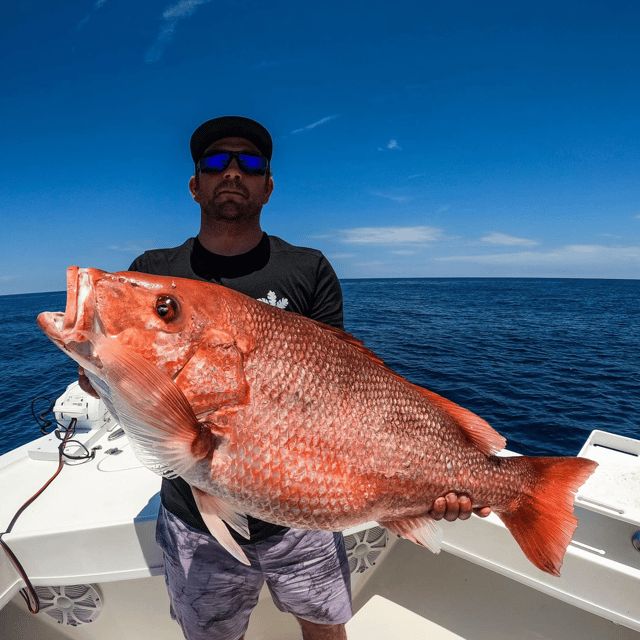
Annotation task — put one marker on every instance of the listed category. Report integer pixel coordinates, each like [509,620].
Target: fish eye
[166,308]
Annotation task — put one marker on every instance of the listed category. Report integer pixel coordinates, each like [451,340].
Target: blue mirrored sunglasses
[218,160]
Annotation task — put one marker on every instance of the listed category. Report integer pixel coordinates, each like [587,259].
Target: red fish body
[267,413]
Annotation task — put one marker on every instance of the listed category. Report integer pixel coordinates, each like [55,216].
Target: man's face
[231,195]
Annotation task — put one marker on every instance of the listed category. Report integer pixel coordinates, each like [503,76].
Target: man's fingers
[465,508]
[84,383]
[439,509]
[453,507]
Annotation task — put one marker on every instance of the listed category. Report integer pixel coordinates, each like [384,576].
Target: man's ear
[268,190]
[193,188]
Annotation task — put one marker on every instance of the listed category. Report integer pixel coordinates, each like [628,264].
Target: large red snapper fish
[267,413]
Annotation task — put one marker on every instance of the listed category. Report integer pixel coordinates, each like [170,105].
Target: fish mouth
[71,331]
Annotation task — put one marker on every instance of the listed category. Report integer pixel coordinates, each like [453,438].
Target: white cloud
[172,15]
[316,124]
[340,256]
[97,4]
[504,239]
[131,248]
[390,235]
[584,248]
[392,144]
[567,256]
[391,196]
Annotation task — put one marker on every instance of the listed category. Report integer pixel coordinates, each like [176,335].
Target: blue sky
[412,139]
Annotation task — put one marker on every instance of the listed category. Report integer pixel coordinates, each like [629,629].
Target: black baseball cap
[230,127]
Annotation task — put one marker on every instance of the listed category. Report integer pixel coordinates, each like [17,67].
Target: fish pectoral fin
[155,414]
[422,530]
[209,506]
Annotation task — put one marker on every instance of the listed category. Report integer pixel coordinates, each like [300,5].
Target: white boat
[87,546]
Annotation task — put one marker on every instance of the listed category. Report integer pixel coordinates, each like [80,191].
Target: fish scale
[266,413]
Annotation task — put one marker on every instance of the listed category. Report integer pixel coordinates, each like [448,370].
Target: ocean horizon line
[397,278]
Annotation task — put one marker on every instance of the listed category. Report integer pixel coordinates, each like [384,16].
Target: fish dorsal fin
[353,341]
[475,429]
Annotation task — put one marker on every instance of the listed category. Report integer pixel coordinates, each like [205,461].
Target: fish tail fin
[157,418]
[541,519]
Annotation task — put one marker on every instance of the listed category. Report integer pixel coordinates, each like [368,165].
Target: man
[212,595]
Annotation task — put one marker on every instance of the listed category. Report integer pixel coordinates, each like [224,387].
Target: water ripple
[544,361]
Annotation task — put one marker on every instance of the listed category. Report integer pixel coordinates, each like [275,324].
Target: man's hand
[85,385]
[453,507]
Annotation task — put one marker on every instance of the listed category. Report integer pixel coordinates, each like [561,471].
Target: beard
[219,208]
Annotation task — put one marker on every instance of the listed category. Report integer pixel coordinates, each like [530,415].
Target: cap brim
[230,127]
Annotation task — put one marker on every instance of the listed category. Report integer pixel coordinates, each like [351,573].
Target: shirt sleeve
[137,264]
[327,301]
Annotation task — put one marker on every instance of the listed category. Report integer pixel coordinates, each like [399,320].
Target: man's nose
[233,172]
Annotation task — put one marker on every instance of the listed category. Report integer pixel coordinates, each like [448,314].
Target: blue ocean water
[545,361]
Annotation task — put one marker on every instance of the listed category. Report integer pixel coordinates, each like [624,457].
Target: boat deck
[411,595]
[95,525]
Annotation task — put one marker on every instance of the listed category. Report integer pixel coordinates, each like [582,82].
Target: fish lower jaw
[51,322]
[57,320]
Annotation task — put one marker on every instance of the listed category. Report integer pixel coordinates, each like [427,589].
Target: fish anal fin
[541,519]
[422,530]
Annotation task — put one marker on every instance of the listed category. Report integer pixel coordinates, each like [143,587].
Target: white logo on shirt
[273,300]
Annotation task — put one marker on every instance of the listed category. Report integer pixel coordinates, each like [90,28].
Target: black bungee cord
[65,434]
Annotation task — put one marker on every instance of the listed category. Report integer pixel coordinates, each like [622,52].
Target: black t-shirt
[293,278]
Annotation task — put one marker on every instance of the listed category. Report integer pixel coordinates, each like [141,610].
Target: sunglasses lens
[249,163]
[252,164]
[215,163]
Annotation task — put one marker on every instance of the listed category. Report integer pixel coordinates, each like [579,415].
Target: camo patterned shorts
[212,594]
